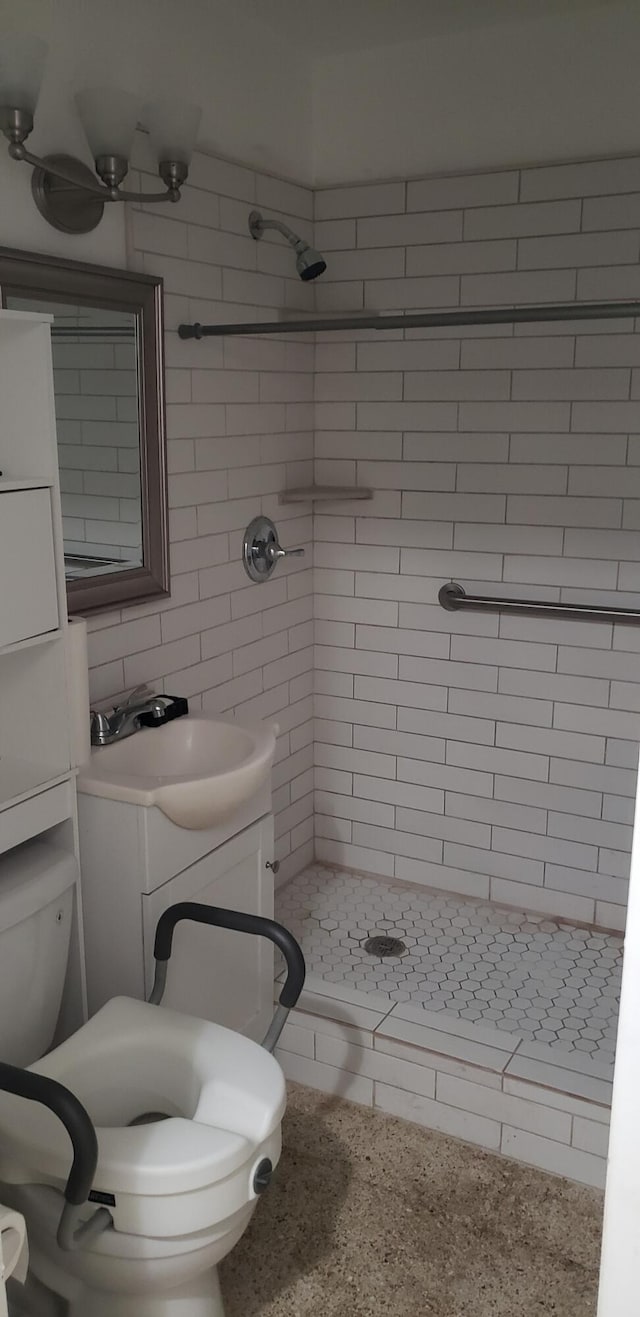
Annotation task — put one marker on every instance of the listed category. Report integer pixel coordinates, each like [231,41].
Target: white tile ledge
[435,1036]
[561,1134]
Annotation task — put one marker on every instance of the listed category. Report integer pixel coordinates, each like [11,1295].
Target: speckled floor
[373,1217]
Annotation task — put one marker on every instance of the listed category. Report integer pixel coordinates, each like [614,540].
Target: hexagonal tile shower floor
[544,980]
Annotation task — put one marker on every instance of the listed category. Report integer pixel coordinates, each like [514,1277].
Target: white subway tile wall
[240,428]
[494,757]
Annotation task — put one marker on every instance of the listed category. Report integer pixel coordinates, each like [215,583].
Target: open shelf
[324,493]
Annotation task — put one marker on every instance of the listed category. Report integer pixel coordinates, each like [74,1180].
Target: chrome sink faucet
[124,719]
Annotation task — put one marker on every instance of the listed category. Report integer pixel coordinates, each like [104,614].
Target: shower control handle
[275,551]
[262,550]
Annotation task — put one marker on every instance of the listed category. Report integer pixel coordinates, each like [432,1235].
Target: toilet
[187,1115]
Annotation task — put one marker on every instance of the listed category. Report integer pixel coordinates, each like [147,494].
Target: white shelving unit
[37,782]
[20,779]
[10,486]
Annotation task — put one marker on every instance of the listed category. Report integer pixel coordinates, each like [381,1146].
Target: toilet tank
[36,907]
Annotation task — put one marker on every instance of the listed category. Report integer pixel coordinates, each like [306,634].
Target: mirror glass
[95,380]
[108,378]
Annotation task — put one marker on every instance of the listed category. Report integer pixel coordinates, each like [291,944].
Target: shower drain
[384,946]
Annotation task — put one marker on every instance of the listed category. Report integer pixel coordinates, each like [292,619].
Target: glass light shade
[173,128]
[109,117]
[22,59]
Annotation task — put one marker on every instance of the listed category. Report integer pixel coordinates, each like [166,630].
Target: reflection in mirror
[108,380]
[95,379]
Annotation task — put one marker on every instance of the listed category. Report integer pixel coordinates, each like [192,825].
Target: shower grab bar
[454,597]
[240,922]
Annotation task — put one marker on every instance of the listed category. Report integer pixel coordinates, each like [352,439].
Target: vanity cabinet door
[28,594]
[213,973]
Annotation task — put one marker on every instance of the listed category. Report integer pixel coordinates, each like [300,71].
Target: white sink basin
[198,770]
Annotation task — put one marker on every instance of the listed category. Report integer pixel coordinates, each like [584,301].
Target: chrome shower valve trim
[261,550]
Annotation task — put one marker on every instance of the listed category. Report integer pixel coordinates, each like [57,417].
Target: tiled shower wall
[488,756]
[495,758]
[240,428]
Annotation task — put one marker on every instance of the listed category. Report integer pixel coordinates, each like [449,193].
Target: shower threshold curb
[541,1105]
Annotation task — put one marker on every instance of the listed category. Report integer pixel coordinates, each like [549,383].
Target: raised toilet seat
[187,1116]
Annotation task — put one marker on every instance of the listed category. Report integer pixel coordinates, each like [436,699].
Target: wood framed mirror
[108,370]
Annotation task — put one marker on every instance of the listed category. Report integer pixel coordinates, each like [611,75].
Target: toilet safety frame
[73,1234]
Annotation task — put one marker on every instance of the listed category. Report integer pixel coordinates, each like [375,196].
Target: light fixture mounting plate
[69,209]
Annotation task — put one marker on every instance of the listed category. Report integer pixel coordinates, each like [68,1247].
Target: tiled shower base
[494,1025]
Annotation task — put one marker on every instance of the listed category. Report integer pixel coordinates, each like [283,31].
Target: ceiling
[331,27]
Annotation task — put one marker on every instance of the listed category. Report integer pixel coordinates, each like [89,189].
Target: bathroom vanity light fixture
[67,193]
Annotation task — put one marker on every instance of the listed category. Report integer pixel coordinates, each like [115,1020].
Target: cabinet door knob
[274,865]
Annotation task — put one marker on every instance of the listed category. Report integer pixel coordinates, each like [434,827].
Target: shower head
[309,262]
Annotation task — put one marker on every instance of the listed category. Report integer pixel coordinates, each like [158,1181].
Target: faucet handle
[100,727]
[139,693]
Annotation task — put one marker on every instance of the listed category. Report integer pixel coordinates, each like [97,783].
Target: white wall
[239,426]
[493,756]
[253,90]
[552,88]
[239,429]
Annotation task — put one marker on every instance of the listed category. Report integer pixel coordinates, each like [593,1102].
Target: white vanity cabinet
[136,863]
[37,787]
[222,975]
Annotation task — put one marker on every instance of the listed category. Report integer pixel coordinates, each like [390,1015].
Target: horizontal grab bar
[454,597]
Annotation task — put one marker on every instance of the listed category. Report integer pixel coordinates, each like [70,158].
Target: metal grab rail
[454,597]
[238,921]
[72,1233]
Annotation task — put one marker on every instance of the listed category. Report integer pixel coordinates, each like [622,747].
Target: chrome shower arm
[258,224]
